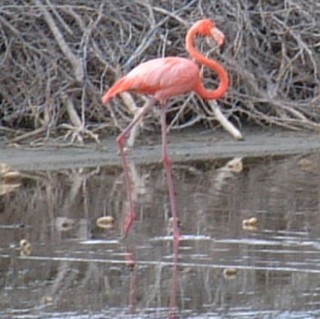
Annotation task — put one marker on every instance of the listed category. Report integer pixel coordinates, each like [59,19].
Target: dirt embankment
[184,146]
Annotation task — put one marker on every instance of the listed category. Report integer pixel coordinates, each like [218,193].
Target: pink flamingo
[164,78]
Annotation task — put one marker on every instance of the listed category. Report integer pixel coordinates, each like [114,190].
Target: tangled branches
[56,60]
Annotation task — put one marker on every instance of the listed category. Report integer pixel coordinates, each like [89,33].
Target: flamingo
[163,78]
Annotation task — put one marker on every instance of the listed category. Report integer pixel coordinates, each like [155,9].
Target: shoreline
[185,145]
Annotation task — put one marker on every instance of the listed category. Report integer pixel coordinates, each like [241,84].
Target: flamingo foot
[131,261]
[174,228]
[128,222]
[176,236]
[176,232]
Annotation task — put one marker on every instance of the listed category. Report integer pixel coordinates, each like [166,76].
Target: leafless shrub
[57,59]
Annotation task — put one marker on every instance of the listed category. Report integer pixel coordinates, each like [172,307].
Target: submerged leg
[121,140]
[168,167]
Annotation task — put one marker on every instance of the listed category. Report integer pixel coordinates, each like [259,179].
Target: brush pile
[57,59]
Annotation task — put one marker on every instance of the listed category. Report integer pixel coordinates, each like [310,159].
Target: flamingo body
[163,78]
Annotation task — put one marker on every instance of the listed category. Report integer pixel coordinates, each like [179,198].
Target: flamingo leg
[121,140]
[167,162]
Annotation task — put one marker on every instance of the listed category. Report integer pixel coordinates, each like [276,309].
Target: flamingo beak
[217,35]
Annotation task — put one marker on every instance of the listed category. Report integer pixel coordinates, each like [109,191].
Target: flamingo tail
[120,86]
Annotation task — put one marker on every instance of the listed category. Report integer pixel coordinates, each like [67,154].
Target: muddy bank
[185,145]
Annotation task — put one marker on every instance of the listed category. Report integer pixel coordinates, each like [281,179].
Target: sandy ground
[184,145]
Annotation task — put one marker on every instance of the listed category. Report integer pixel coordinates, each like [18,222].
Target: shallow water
[68,267]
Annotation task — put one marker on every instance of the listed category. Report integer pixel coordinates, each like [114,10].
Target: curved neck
[217,67]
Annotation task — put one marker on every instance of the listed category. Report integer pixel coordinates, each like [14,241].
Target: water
[55,262]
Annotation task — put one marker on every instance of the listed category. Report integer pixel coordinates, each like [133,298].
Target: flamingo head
[207,27]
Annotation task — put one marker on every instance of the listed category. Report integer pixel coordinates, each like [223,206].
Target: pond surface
[250,244]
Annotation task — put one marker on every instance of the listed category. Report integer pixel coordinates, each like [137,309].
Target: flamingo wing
[177,75]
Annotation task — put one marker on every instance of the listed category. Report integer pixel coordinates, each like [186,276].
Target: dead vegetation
[57,59]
